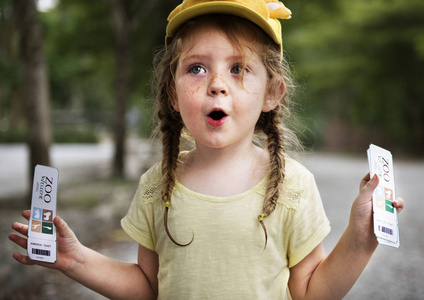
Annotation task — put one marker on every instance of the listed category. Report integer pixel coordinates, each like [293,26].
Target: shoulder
[297,175]
[295,170]
[298,182]
[149,186]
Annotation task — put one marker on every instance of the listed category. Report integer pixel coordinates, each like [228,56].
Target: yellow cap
[263,13]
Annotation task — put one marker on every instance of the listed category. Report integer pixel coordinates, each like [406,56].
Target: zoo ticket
[386,226]
[41,232]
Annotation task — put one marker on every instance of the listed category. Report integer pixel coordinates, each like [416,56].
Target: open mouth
[217,118]
[217,115]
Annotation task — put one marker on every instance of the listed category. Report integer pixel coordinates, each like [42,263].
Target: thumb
[367,187]
[62,227]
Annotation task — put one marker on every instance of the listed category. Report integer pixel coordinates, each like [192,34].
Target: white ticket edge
[386,180]
[41,231]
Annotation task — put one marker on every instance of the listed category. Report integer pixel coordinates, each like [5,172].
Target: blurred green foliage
[13,136]
[61,135]
[358,64]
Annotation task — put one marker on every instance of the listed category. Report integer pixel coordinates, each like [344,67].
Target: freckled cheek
[190,88]
[189,102]
[194,88]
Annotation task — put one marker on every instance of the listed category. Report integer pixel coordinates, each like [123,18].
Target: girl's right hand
[68,245]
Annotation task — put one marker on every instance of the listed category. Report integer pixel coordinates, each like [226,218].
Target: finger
[399,203]
[368,185]
[23,259]
[26,214]
[365,180]
[17,239]
[62,227]
[21,228]
[367,189]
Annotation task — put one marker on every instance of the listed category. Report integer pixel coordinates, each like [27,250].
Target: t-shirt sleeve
[139,220]
[310,224]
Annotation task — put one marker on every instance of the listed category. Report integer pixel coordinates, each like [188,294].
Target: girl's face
[218,109]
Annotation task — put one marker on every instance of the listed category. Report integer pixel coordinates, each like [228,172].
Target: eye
[196,70]
[237,69]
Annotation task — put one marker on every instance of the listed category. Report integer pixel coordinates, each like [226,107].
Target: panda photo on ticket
[41,231]
[386,226]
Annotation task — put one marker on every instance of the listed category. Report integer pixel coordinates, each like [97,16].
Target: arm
[114,279]
[320,277]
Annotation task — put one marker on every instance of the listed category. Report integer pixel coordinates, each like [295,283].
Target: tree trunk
[34,84]
[122,80]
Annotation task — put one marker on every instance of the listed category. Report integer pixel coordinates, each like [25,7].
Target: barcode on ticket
[385,230]
[41,252]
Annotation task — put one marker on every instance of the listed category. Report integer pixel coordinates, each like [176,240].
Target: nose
[217,86]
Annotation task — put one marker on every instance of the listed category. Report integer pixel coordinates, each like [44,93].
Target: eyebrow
[193,56]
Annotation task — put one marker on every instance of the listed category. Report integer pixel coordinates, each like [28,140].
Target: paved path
[14,164]
[391,273]
[76,162]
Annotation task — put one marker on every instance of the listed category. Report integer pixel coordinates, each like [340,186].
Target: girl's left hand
[361,215]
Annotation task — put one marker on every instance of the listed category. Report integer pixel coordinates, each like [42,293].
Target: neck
[226,155]
[223,172]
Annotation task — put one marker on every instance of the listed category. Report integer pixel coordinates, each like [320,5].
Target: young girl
[229,219]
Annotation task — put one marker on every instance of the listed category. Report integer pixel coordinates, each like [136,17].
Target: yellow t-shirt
[227,259]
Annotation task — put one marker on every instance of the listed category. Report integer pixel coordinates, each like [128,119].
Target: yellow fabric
[227,259]
[264,13]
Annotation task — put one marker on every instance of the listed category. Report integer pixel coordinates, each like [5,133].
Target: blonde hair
[275,135]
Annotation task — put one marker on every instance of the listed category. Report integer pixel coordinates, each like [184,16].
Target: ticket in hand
[41,231]
[386,226]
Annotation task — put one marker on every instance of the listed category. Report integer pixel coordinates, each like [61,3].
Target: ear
[173,99]
[174,103]
[274,96]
